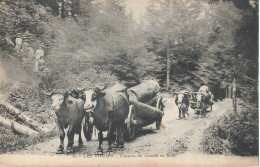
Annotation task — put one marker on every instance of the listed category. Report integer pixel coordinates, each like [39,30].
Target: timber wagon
[146,107]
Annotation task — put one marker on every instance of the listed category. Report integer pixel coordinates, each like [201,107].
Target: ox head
[204,88]
[180,97]
[92,96]
[57,98]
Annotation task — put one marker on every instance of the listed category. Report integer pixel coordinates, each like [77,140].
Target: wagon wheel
[87,128]
[159,106]
[130,127]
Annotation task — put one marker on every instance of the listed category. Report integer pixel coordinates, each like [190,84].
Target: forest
[100,42]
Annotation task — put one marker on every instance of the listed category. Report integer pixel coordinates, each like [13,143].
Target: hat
[46,70]
[18,34]
[41,45]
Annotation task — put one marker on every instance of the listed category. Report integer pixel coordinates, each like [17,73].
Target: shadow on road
[143,132]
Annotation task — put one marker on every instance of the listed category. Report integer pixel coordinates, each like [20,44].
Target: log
[22,117]
[153,101]
[116,88]
[18,127]
[144,91]
[146,114]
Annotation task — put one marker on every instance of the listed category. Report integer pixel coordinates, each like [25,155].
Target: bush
[236,133]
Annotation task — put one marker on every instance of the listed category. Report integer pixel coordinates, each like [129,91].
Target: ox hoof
[109,149]
[110,153]
[115,146]
[69,150]
[80,145]
[99,152]
[121,146]
[60,150]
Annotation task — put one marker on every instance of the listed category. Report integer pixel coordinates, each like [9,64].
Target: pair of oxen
[203,99]
[105,109]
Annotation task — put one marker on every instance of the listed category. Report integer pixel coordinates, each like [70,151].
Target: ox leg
[121,137]
[183,113]
[109,135]
[70,135]
[204,110]
[62,136]
[187,111]
[179,113]
[100,139]
[80,142]
[117,139]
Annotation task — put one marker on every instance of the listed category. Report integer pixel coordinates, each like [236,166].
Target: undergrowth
[236,133]
[10,141]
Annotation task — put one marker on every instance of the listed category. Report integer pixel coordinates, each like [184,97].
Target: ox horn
[46,93]
[101,88]
[78,89]
[104,87]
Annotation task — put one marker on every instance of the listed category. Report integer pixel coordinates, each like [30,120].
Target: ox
[69,112]
[110,109]
[204,99]
[182,102]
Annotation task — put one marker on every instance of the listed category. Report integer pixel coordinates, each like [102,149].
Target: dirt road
[181,136]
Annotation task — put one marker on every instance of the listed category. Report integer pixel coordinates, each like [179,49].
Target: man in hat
[18,43]
[25,46]
[44,84]
[39,60]
[30,53]
[44,79]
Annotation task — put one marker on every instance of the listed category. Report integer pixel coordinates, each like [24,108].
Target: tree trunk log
[144,91]
[22,117]
[146,114]
[17,127]
[116,88]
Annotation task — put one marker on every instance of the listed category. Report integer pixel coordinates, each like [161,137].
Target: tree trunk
[22,117]
[146,114]
[17,127]
[168,67]
[144,91]
[229,92]
[234,95]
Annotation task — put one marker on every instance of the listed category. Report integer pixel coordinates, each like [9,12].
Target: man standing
[25,46]
[18,44]
[39,61]
[44,85]
[30,52]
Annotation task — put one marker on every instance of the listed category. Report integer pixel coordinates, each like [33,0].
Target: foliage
[235,133]
[199,38]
